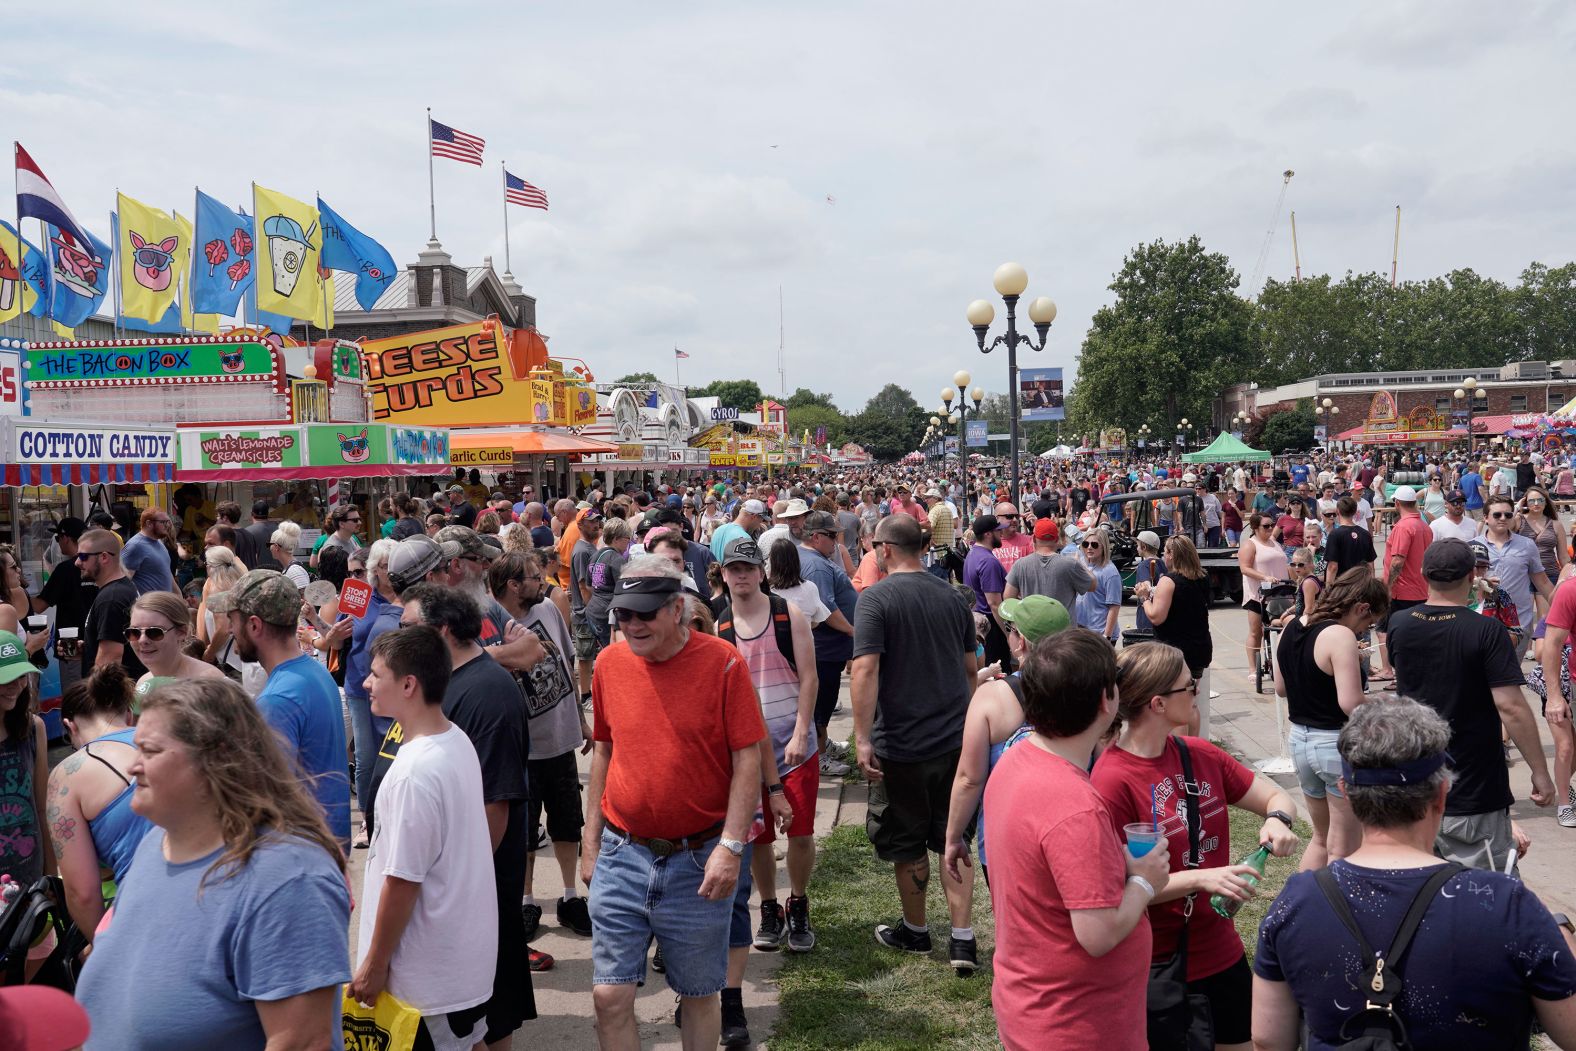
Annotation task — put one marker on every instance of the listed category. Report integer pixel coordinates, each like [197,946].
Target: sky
[874,162]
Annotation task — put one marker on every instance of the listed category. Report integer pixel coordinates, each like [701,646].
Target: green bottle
[1228,907]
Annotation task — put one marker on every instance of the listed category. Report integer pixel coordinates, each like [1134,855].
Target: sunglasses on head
[624,616]
[153,634]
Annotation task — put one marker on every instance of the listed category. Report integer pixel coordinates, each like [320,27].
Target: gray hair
[616,529]
[287,536]
[1384,732]
[378,554]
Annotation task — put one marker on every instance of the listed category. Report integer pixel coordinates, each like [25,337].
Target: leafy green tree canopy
[743,395]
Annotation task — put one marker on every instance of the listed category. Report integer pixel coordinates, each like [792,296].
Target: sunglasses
[1008,517]
[153,634]
[1092,545]
[359,574]
[1191,687]
[1502,514]
[83,556]
[624,616]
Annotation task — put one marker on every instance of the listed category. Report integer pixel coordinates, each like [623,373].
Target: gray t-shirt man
[579,573]
[1062,577]
[550,703]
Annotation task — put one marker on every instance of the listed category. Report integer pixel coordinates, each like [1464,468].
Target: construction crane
[1269,237]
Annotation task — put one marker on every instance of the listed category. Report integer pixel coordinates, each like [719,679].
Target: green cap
[269,596]
[14,662]
[1035,616]
[153,682]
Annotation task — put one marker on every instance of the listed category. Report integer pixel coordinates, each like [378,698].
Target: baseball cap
[644,594]
[820,522]
[1035,616]
[14,662]
[1447,561]
[1045,529]
[796,509]
[265,594]
[1074,534]
[1190,477]
[1149,538]
[985,524]
[469,542]
[742,549]
[754,507]
[1405,495]
[933,491]
[1455,496]
[72,527]
[416,556]
[1480,552]
[41,1018]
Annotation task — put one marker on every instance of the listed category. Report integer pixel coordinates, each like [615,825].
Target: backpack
[780,622]
[1376,1026]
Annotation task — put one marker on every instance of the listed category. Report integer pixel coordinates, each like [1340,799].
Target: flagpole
[21,249]
[508,266]
[432,203]
[676,381]
[322,279]
[115,256]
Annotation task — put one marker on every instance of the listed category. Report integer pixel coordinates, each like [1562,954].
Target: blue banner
[348,249]
[1040,395]
[225,264]
[80,276]
[974,434]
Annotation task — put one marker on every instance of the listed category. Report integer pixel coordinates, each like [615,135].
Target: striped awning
[87,473]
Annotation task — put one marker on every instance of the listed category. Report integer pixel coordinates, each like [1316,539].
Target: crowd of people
[225,735]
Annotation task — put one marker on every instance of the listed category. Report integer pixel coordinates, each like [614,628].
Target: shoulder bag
[1179,1020]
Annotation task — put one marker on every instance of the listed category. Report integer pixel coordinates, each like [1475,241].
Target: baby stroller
[1274,601]
[27,916]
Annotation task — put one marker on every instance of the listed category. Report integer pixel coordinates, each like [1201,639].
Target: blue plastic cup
[1141,837]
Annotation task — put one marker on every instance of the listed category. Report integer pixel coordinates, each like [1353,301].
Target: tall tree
[1177,333]
[743,395]
[811,417]
[805,396]
[891,424]
[635,379]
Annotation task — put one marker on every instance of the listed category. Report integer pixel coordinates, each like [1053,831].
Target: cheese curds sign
[477,374]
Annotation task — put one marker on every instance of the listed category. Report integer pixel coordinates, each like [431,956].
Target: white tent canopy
[1061,452]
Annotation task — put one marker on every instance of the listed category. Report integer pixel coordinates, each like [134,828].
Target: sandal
[360,841]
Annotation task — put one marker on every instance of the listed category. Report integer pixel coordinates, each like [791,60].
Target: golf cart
[1125,522]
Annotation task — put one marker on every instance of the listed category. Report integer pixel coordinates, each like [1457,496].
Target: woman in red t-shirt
[1143,770]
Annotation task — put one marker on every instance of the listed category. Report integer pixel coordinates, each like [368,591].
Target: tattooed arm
[73,848]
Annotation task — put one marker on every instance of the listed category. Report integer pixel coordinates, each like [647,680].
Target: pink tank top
[1268,559]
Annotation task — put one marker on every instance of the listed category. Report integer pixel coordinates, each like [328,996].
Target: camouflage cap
[263,593]
[470,543]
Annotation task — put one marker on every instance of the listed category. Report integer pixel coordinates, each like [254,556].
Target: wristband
[775,790]
[1145,884]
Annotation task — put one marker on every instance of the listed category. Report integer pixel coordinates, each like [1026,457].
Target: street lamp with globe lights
[1010,280]
[960,415]
[1184,433]
[1325,412]
[1475,399]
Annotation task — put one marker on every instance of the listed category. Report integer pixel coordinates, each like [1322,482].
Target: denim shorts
[636,896]
[1318,761]
[739,934]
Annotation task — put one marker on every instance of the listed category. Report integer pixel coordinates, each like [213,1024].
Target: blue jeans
[368,730]
[636,896]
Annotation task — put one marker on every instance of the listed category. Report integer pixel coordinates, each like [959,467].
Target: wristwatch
[1562,920]
[732,846]
[775,790]
[1281,816]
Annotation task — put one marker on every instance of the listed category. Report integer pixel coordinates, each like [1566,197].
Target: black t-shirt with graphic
[106,622]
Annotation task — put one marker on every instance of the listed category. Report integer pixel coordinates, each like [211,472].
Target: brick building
[1523,387]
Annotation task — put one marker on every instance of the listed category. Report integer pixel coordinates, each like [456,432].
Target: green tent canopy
[1225,449]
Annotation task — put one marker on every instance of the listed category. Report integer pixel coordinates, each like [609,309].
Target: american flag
[456,145]
[677,353]
[517,191]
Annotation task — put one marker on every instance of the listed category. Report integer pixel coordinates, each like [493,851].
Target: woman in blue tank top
[94,830]
[994,724]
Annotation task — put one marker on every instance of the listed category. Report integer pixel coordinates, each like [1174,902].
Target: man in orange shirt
[675,780]
[569,522]
[1409,538]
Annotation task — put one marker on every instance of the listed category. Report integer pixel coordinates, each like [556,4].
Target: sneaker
[800,937]
[658,964]
[964,954]
[361,838]
[1566,817]
[769,936]
[833,768]
[540,961]
[836,749]
[1570,796]
[532,915]
[735,1030]
[903,939]
[575,914]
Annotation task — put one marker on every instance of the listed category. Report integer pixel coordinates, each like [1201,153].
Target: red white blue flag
[36,198]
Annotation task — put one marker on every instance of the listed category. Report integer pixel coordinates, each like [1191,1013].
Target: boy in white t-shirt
[430,859]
